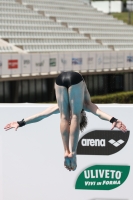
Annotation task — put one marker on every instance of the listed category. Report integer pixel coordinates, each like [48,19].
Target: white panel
[1,171]
[44,60]
[68,58]
[106,61]
[33,157]
[76,61]
[99,61]
[15,64]
[36,64]
[53,62]
[113,60]
[62,61]
[84,60]
[115,6]
[91,61]
[6,69]
[101,6]
[120,60]
[26,64]
[128,59]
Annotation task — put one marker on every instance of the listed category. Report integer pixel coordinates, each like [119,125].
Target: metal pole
[130,9]
[109,6]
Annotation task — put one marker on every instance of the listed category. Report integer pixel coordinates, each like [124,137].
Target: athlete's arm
[46,113]
[91,107]
[35,118]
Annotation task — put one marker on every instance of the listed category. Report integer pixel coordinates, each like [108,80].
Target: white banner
[77,61]
[26,64]
[106,61]
[91,61]
[36,64]
[84,60]
[62,62]
[120,60]
[99,61]
[32,158]
[53,62]
[113,60]
[6,65]
[128,60]
[44,63]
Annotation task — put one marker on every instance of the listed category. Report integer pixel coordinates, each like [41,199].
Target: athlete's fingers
[7,126]
[124,128]
[123,125]
[112,128]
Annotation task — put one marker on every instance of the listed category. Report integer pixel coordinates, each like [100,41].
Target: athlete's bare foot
[67,162]
[73,161]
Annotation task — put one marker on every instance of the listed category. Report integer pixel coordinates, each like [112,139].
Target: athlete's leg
[87,98]
[63,103]
[76,98]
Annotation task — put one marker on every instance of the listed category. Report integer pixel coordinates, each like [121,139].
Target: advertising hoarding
[44,60]
[32,157]
[42,63]
[26,64]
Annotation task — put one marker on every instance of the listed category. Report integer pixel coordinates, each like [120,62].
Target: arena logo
[12,64]
[52,62]
[76,61]
[102,142]
[92,142]
[102,177]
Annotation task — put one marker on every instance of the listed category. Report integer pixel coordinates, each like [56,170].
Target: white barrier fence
[16,65]
[108,6]
[31,158]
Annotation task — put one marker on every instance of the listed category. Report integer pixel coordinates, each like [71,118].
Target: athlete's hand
[118,124]
[11,125]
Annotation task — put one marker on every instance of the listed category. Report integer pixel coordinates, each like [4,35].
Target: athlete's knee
[76,117]
[64,117]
